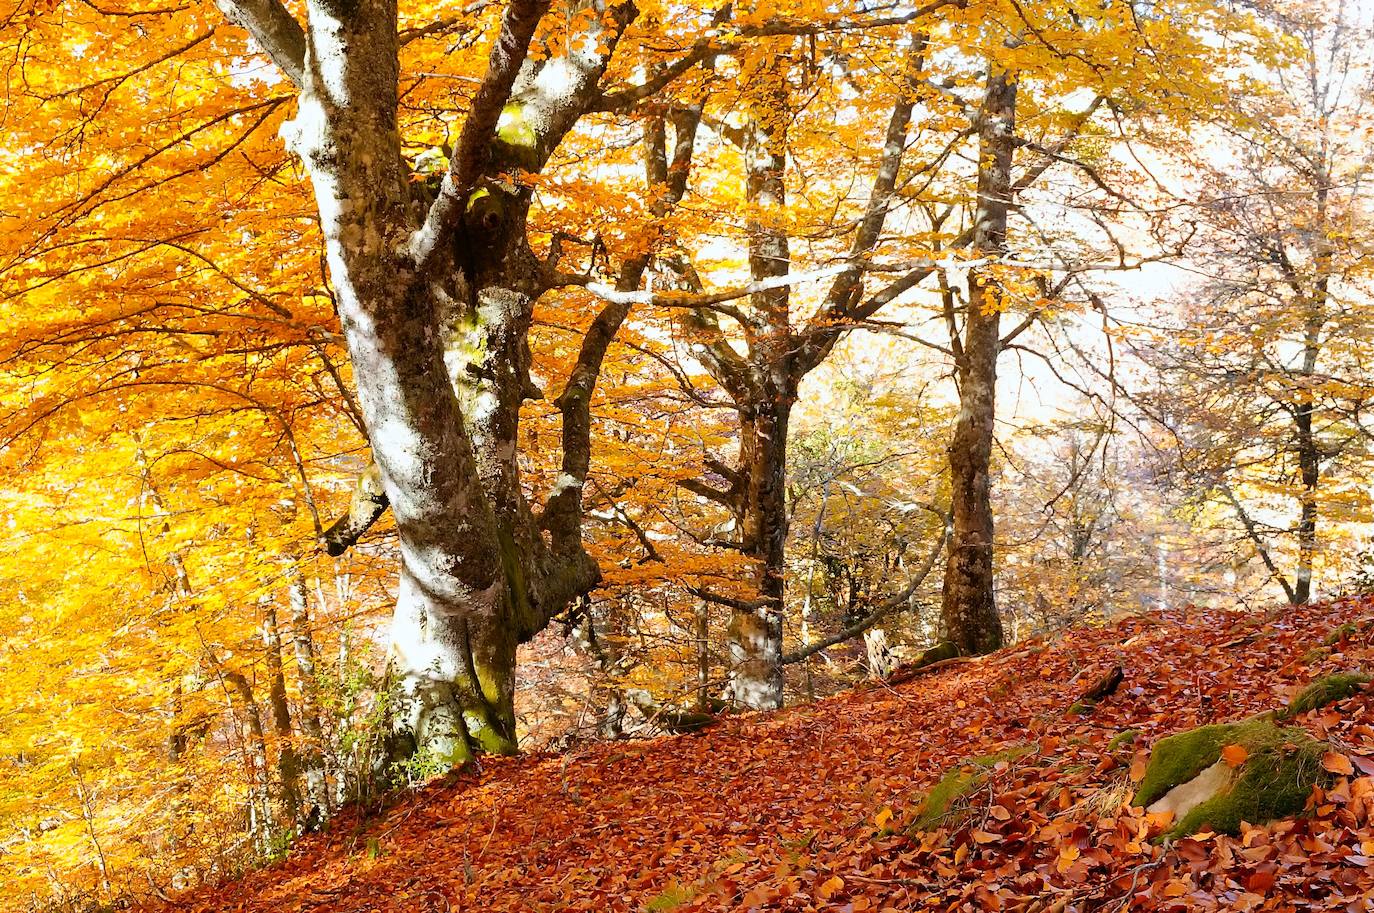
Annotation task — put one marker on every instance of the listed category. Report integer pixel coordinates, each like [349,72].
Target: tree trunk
[881,662]
[1308,448]
[303,644]
[703,646]
[288,792]
[969,606]
[255,755]
[435,298]
[755,631]
[1309,469]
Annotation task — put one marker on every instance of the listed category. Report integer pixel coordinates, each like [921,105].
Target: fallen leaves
[1337,763]
[807,810]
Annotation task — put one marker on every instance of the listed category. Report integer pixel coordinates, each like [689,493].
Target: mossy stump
[944,803]
[1326,690]
[1276,775]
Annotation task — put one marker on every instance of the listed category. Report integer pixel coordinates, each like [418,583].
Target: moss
[943,802]
[514,128]
[1315,655]
[1123,739]
[1325,690]
[516,137]
[672,897]
[1343,632]
[1282,766]
[940,652]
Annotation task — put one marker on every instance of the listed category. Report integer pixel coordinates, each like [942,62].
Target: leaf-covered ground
[809,809]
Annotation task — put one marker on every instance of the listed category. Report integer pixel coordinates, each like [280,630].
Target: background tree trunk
[288,761]
[968,604]
[303,645]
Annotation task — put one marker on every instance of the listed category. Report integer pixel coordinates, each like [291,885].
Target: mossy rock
[944,650]
[1281,766]
[944,803]
[1326,690]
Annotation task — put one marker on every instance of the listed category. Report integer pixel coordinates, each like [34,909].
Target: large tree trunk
[435,296]
[452,646]
[755,631]
[969,607]
[762,387]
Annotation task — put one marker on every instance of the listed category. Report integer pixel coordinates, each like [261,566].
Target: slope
[813,808]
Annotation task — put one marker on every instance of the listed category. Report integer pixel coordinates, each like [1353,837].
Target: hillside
[812,808]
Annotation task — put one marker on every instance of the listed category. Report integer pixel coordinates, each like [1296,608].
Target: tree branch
[890,606]
[368,504]
[503,66]
[274,29]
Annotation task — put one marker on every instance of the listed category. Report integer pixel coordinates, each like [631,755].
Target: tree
[1262,368]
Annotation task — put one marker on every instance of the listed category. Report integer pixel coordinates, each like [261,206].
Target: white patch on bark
[329,54]
[307,135]
[564,482]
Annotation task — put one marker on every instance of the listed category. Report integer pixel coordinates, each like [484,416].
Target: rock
[1326,690]
[1271,778]
[1185,797]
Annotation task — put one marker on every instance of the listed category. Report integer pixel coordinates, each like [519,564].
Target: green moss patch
[1325,690]
[942,651]
[1281,767]
[944,803]
[1340,633]
[1123,739]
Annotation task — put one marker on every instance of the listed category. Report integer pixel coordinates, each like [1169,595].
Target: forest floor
[811,808]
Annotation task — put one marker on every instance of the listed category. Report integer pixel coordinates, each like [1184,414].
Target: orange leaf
[829,887]
[1234,755]
[1337,763]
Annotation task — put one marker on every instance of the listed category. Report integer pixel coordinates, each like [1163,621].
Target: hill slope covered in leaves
[813,808]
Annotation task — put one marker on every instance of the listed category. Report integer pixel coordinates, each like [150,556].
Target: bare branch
[890,606]
[369,503]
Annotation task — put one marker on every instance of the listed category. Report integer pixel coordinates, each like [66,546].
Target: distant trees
[1263,369]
